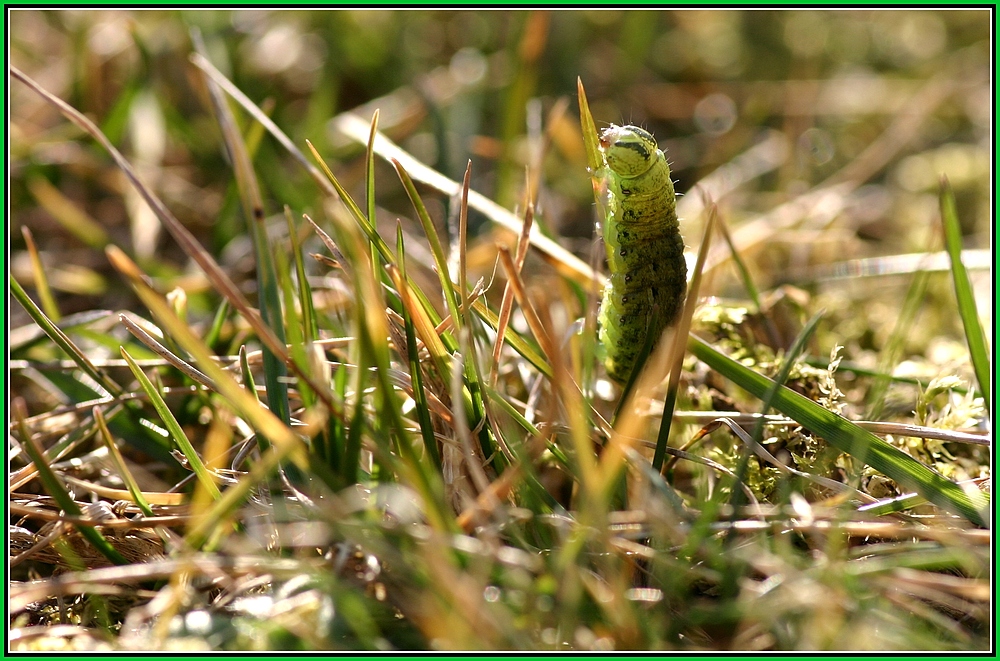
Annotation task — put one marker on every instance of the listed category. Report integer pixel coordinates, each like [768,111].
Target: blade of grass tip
[188,243]
[741,267]
[205,65]
[527,309]
[251,387]
[268,295]
[218,322]
[440,260]
[473,374]
[680,333]
[116,457]
[892,351]
[176,433]
[41,281]
[310,327]
[185,368]
[974,334]
[507,302]
[590,137]
[341,193]
[416,376]
[62,340]
[55,488]
[248,382]
[846,436]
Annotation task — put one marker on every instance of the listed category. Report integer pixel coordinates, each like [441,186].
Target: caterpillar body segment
[644,247]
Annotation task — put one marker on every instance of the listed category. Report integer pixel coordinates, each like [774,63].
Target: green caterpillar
[644,246]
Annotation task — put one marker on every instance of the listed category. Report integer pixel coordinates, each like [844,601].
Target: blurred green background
[761,107]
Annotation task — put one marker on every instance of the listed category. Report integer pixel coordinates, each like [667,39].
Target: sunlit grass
[374,428]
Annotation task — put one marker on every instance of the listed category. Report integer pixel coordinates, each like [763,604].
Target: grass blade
[440,260]
[974,333]
[590,138]
[180,438]
[184,238]
[62,340]
[41,281]
[120,465]
[680,332]
[847,437]
[416,374]
[268,294]
[55,488]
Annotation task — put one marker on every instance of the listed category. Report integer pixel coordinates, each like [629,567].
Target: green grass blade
[590,138]
[181,234]
[62,340]
[120,465]
[416,375]
[893,350]
[56,489]
[974,333]
[268,294]
[847,437]
[41,280]
[310,328]
[218,321]
[522,346]
[440,260]
[176,433]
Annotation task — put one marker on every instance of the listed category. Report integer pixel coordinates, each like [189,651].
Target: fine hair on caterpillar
[644,247]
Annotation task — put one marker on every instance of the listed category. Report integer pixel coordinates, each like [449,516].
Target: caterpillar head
[628,150]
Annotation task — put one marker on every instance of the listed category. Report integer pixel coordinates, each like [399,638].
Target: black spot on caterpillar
[644,247]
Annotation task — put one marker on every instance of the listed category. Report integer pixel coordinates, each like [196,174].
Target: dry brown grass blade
[163,498]
[52,515]
[425,328]
[180,233]
[508,292]
[91,581]
[530,314]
